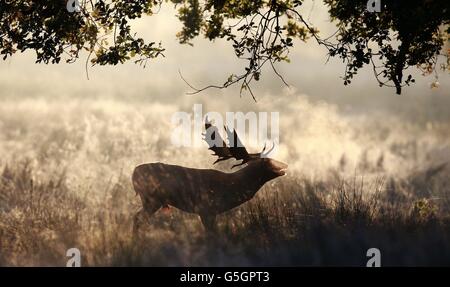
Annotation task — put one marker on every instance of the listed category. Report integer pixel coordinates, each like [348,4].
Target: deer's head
[270,168]
[264,166]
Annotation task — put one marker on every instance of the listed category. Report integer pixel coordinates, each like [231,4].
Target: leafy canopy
[403,34]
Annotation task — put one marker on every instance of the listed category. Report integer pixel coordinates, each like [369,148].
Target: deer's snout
[279,167]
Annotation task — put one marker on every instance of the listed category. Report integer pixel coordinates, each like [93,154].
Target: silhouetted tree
[402,34]
[405,33]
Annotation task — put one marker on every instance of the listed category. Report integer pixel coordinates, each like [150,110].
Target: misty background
[120,116]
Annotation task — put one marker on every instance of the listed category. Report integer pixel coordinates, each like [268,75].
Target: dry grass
[290,222]
[64,182]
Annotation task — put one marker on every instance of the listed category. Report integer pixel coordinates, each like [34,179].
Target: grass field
[354,184]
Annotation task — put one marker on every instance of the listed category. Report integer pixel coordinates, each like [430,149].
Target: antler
[265,154]
[221,151]
[235,149]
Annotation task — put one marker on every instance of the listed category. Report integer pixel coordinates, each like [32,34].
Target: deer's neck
[250,180]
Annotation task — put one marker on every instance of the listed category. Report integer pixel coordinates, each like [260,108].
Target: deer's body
[206,192]
[200,191]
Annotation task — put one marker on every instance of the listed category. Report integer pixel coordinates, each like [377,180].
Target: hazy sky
[320,118]
[211,63]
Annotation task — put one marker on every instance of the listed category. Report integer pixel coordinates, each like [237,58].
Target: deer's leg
[209,222]
[143,216]
[139,218]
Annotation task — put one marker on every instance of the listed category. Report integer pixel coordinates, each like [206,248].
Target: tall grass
[65,182]
[292,221]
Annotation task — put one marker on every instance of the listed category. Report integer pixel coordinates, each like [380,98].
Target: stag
[206,192]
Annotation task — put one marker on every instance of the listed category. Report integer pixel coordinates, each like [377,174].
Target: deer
[205,192]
